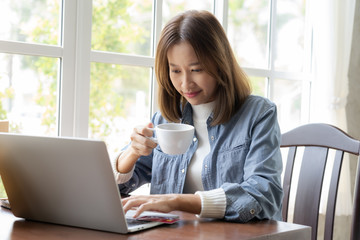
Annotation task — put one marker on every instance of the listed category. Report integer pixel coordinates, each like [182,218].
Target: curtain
[353,99]
[332,36]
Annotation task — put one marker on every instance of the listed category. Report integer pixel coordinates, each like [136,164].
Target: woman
[232,169]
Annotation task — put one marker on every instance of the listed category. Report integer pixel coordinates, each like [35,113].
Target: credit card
[167,218]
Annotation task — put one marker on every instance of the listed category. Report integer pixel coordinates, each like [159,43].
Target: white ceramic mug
[174,138]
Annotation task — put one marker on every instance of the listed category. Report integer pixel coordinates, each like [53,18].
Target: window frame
[76,56]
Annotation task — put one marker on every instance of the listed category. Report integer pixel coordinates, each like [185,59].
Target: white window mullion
[221,9]
[272,47]
[277,75]
[82,74]
[121,59]
[67,82]
[157,25]
[32,49]
[75,82]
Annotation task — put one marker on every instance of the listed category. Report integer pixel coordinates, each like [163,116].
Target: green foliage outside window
[112,86]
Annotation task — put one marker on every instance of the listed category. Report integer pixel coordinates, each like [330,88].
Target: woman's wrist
[188,203]
[126,161]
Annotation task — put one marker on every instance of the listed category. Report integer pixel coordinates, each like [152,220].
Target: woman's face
[187,76]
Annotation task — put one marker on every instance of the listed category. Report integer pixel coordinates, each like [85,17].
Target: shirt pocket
[164,167]
[231,162]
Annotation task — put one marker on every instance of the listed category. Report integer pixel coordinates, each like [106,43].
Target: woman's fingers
[160,203]
[143,148]
[144,131]
[140,140]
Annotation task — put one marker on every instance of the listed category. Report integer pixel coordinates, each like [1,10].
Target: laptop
[67,181]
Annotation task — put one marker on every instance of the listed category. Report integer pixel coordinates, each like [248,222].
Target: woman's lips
[191,94]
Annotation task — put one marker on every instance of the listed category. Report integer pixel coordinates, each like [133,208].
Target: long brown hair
[207,37]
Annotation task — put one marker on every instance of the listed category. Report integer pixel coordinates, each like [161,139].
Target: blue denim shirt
[244,161]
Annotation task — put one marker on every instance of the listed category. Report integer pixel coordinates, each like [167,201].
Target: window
[85,68]
[271,40]
[120,93]
[29,65]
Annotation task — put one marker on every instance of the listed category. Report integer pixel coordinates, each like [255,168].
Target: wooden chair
[317,139]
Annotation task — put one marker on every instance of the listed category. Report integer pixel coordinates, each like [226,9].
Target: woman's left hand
[163,203]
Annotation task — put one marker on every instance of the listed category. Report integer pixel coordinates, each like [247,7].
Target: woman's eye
[175,71]
[196,70]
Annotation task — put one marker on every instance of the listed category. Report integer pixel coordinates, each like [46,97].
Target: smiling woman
[222,174]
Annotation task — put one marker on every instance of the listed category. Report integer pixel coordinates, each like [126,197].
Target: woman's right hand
[141,145]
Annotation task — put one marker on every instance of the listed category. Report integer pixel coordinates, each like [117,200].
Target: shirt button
[183,170]
[205,166]
[133,185]
[252,211]
[194,139]
[212,138]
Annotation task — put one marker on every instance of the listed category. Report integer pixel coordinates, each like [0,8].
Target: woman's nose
[187,81]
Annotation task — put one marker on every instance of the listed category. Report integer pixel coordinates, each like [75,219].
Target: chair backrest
[317,139]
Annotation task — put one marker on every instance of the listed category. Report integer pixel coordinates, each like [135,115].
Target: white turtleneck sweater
[193,180]
[213,203]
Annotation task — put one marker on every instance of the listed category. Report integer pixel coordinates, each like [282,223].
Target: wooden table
[189,227]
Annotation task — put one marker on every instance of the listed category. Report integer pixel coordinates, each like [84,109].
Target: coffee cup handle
[153,138]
